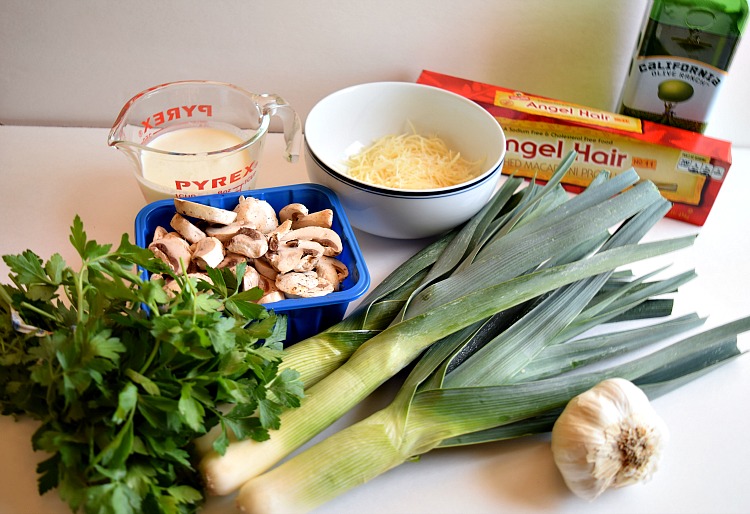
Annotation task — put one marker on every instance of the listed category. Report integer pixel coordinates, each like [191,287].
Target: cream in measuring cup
[195,138]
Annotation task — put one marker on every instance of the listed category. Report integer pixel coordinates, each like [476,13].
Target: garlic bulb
[609,436]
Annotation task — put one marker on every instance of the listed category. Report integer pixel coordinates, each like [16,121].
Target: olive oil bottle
[682,60]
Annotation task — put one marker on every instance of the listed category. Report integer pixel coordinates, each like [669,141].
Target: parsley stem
[37,310]
[79,291]
[151,357]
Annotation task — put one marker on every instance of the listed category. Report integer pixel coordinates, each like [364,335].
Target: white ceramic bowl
[342,123]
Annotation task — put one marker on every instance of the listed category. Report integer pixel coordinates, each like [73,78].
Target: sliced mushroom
[172,286]
[302,243]
[303,285]
[273,296]
[279,231]
[266,284]
[175,251]
[224,232]
[332,270]
[171,235]
[326,237]
[204,212]
[250,279]
[271,293]
[186,229]
[249,242]
[257,214]
[160,232]
[296,255]
[265,268]
[200,276]
[322,218]
[208,252]
[231,260]
[292,212]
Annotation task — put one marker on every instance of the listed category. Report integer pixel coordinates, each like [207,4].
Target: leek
[428,414]
[544,241]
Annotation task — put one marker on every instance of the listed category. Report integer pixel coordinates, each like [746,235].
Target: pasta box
[687,167]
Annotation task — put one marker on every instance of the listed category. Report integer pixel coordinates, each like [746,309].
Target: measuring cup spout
[274,105]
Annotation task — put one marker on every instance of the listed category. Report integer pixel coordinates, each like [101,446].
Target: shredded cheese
[411,161]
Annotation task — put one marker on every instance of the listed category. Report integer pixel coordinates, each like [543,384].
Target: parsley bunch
[124,376]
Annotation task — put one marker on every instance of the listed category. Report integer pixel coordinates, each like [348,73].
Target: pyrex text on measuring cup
[192,138]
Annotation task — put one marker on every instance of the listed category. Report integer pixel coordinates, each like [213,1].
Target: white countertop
[48,175]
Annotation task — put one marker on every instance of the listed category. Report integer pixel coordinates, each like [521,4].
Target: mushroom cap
[224,232]
[159,232]
[279,231]
[271,293]
[273,296]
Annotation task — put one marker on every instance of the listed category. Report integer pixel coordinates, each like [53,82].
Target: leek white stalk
[608,437]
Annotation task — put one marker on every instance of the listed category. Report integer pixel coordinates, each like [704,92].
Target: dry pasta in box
[687,167]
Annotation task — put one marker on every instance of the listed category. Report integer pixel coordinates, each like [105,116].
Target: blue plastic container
[305,316]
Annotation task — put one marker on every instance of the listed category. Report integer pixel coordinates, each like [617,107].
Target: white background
[77,62]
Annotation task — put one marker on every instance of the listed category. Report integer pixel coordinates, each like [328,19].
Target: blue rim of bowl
[403,193]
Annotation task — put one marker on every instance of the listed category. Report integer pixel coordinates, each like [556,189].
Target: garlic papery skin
[608,436]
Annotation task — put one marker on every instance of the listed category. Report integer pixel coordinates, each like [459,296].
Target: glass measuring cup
[191,138]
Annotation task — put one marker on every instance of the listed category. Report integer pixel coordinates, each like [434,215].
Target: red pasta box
[687,167]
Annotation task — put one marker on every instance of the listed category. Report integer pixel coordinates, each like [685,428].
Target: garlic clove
[608,437]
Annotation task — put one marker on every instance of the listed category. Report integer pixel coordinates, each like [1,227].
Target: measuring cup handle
[277,106]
